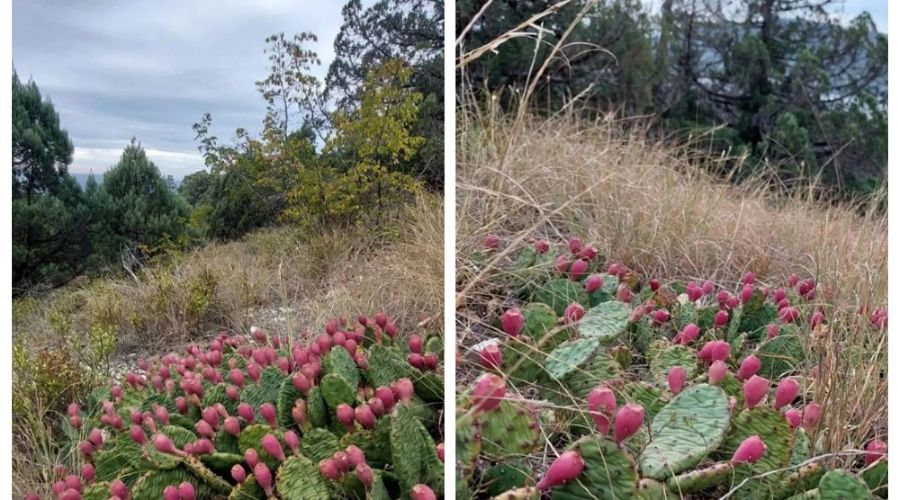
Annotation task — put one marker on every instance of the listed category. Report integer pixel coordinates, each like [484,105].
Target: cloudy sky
[149,70]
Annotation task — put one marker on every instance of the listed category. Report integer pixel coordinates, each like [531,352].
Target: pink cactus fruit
[593,283]
[561,263]
[755,389]
[345,415]
[440,451]
[293,441]
[263,477]
[688,334]
[186,490]
[574,312]
[364,416]
[355,455]
[624,293]
[488,392]
[163,444]
[238,473]
[720,319]
[403,390]
[602,404]
[137,434]
[717,371]
[118,489]
[245,411]
[422,492]
[88,473]
[794,417]
[811,414]
[661,316]
[273,447]
[629,419]
[365,474]
[875,449]
[788,314]
[491,357]
[694,292]
[541,246]
[748,278]
[512,322]
[746,293]
[415,343]
[565,468]
[251,457]
[749,366]
[329,469]
[491,242]
[577,269]
[749,451]
[267,410]
[575,245]
[786,392]
[676,378]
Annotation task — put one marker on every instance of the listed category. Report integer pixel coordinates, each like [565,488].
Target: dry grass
[277,279]
[650,207]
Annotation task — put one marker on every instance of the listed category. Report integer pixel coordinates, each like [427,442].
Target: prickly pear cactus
[653,383]
[685,431]
[339,415]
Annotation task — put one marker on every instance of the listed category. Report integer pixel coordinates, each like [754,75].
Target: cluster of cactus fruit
[648,389]
[349,413]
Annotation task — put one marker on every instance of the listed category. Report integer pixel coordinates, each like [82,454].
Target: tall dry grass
[279,279]
[651,207]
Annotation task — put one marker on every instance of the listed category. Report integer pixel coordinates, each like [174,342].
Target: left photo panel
[227,250]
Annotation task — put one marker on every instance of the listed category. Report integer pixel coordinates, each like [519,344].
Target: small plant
[650,389]
[341,415]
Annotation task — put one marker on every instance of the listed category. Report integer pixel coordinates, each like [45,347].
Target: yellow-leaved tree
[358,178]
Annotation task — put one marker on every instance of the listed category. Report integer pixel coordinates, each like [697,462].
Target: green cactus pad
[801,450]
[152,484]
[413,451]
[319,444]
[248,490]
[841,485]
[121,456]
[775,432]
[338,361]
[316,410]
[539,321]
[733,387]
[664,356]
[506,476]
[266,390]
[511,429]
[567,358]
[559,293]
[756,315]
[701,479]
[96,491]
[523,360]
[648,489]
[376,447]
[220,462]
[608,472]
[684,314]
[605,321]
[208,477]
[387,365]
[468,442]
[435,344]
[798,480]
[179,435]
[337,390]
[251,437]
[779,356]
[606,292]
[876,477]
[600,368]
[685,431]
[298,478]
[429,386]
[284,403]
[157,459]
[649,396]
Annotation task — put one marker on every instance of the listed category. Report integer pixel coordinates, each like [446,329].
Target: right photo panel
[672,261]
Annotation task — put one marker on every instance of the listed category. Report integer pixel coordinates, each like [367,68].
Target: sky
[149,70]
[116,70]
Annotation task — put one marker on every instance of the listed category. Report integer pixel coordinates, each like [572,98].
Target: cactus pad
[319,444]
[841,485]
[298,478]
[779,356]
[605,321]
[567,358]
[608,472]
[337,390]
[664,356]
[775,432]
[685,431]
[338,361]
[559,293]
[510,429]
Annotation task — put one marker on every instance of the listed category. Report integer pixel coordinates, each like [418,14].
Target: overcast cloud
[149,70]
